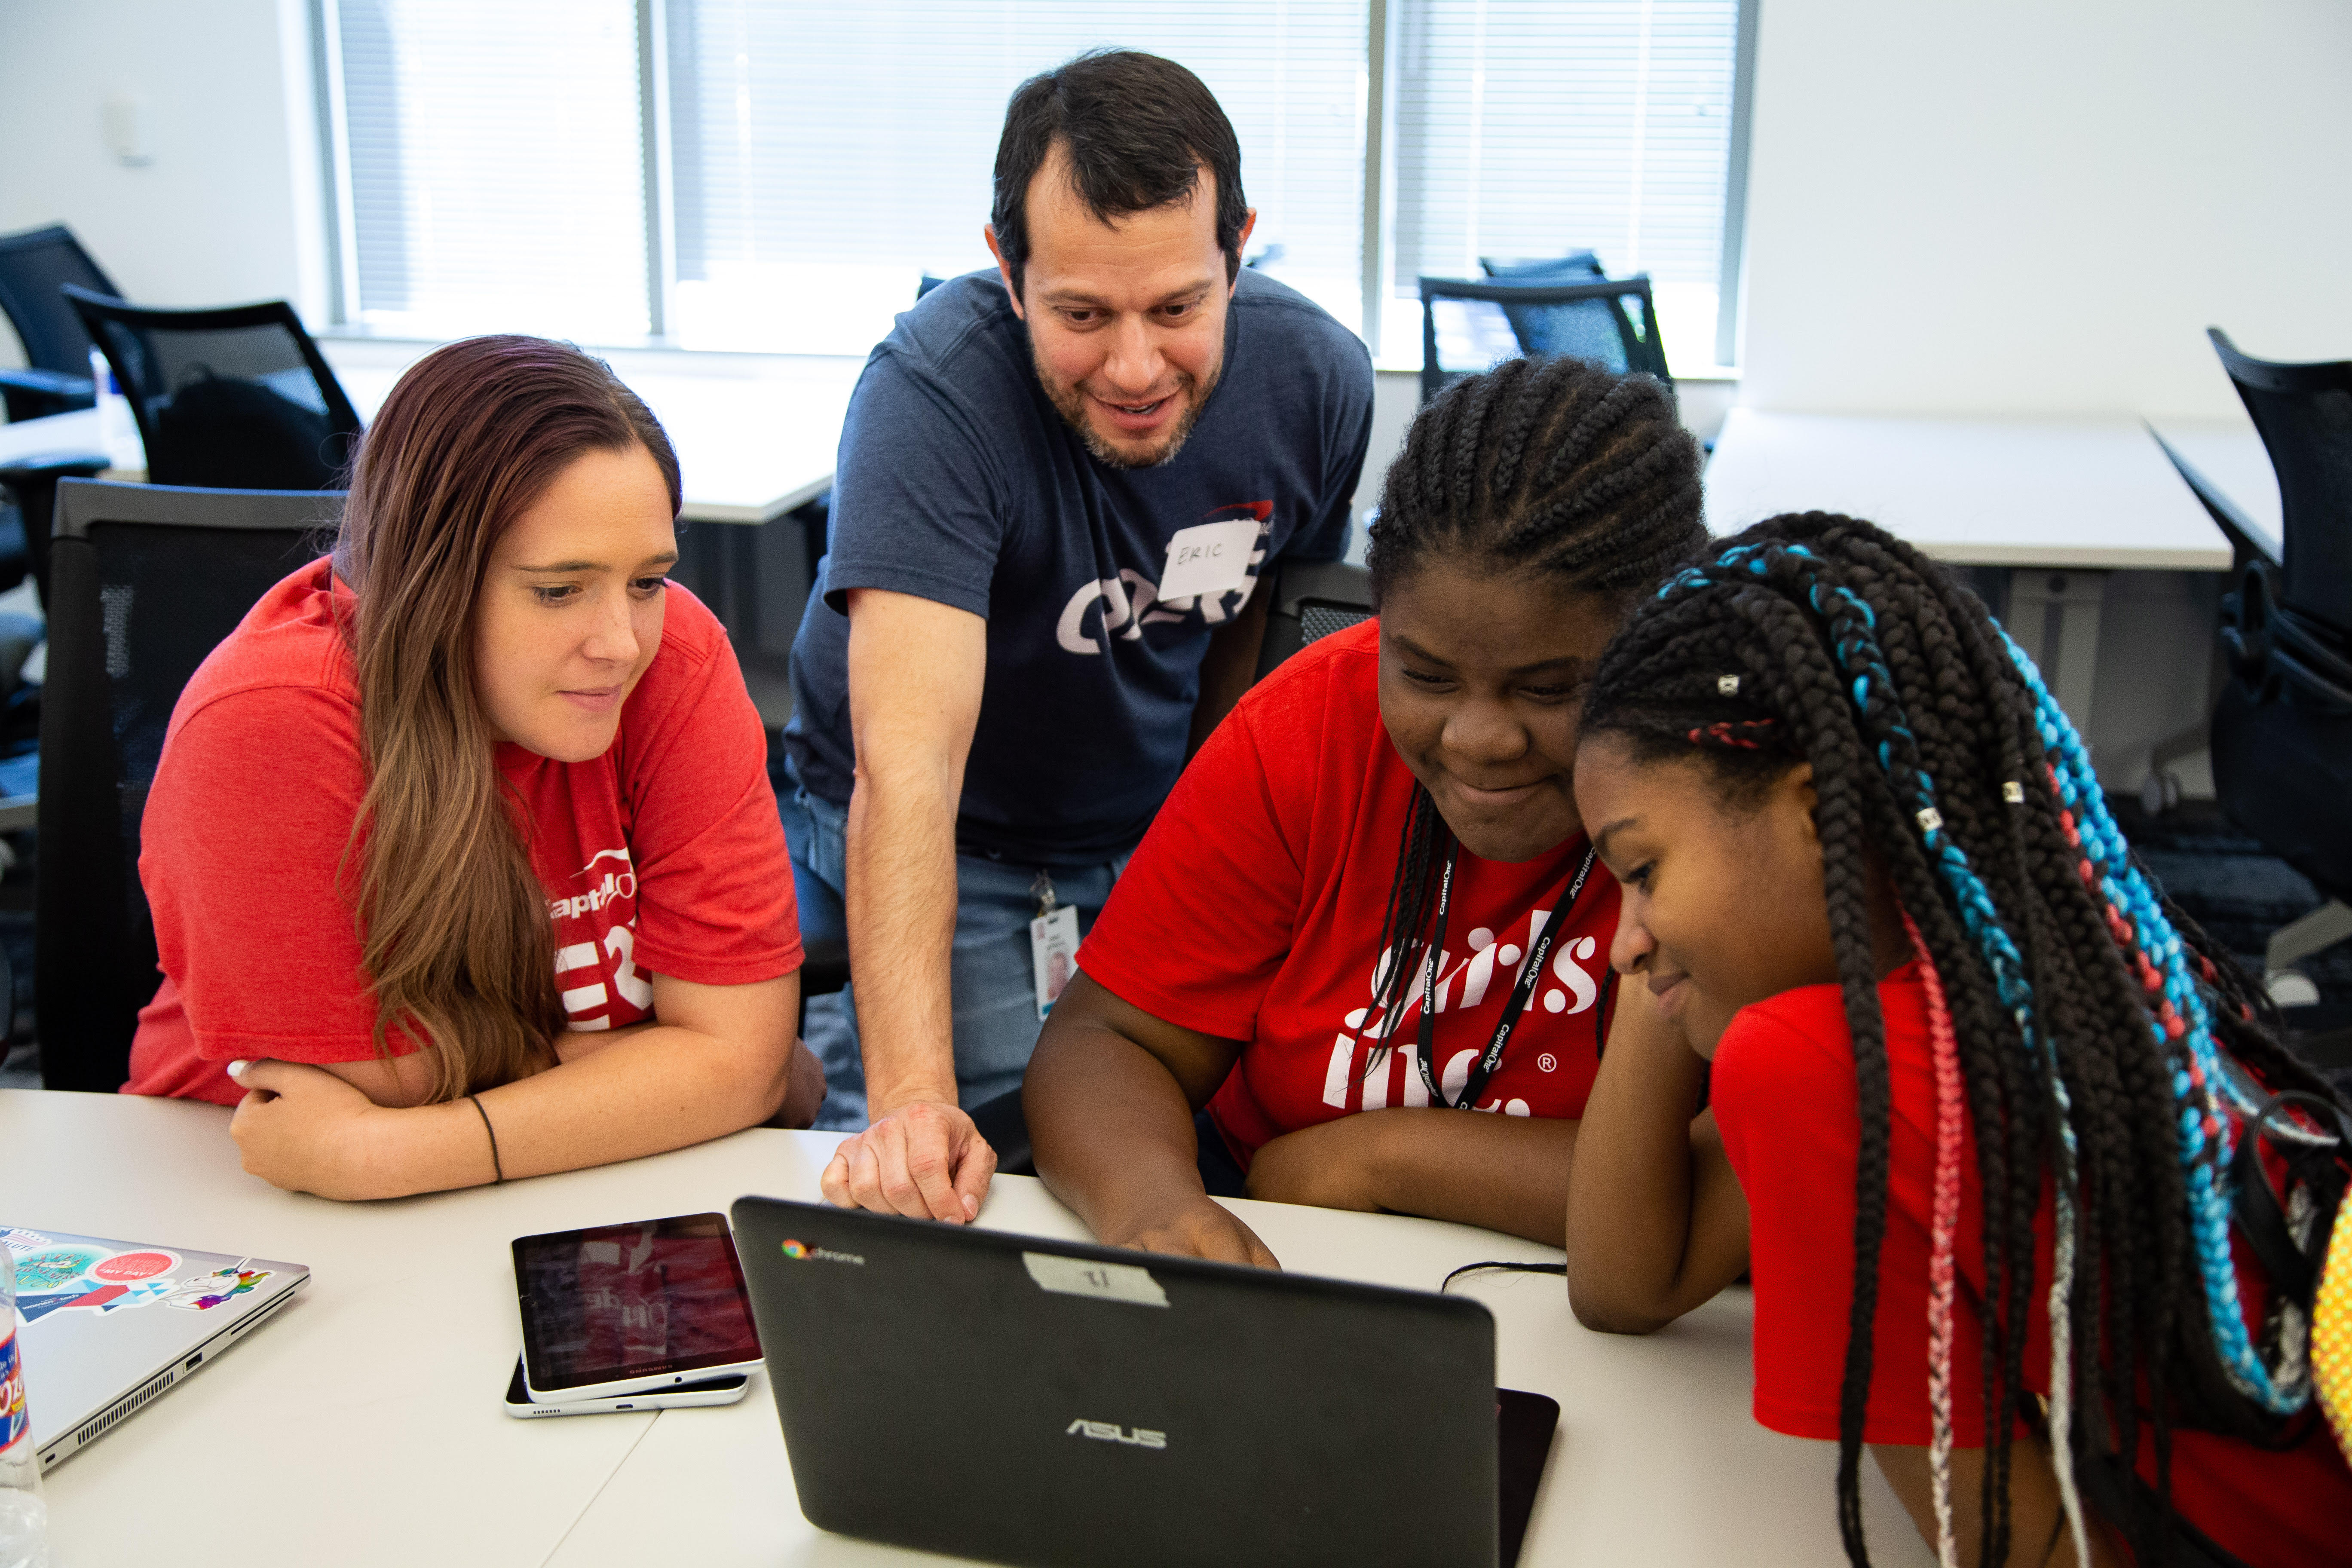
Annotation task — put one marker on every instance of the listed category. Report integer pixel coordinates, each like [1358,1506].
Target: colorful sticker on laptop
[104,1300]
[205,1291]
[54,1267]
[126,1267]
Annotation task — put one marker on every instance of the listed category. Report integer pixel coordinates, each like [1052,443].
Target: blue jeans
[991,978]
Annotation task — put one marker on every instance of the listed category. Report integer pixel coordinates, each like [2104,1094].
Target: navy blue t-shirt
[959,482]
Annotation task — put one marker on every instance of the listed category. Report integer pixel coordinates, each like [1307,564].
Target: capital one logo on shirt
[1485,976]
[598,979]
[1130,601]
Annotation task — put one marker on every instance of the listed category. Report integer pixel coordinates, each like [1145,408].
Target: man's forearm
[901,860]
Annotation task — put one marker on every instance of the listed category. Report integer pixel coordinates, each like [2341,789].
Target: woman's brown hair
[454,926]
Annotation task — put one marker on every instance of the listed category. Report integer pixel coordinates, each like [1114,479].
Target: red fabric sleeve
[1199,924]
[1783,1093]
[246,828]
[715,901]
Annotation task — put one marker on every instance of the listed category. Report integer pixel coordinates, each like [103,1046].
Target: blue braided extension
[2203,1158]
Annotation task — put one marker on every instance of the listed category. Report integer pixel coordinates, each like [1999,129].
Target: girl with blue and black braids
[1979,1082]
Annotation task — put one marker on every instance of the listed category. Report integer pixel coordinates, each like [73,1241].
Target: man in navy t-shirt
[1059,484]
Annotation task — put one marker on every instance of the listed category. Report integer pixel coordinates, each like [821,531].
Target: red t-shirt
[1252,909]
[662,857]
[1783,1093]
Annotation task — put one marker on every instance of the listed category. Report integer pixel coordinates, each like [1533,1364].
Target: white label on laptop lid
[1104,1281]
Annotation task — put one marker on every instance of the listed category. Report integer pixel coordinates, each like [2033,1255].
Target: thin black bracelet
[493,1132]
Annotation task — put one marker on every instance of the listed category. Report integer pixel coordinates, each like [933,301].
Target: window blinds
[819,158]
[494,164]
[1531,128]
[824,156]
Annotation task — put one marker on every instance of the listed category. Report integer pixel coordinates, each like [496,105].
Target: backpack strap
[2293,1271]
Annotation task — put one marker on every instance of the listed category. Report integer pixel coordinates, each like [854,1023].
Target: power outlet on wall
[126,130]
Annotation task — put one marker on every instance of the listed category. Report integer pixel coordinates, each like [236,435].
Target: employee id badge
[1054,953]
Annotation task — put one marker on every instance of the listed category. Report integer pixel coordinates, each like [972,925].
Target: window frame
[1379,260]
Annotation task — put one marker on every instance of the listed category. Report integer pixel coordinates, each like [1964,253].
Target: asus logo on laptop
[1110,1432]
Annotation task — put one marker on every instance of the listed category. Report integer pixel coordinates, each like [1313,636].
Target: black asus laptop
[1045,1403]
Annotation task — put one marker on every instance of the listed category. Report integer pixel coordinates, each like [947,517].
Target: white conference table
[751,443]
[365,1424]
[2058,501]
[2231,455]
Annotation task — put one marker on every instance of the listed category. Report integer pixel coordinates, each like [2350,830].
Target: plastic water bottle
[24,1517]
[117,430]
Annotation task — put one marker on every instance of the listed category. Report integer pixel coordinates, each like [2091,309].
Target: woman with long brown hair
[462,852]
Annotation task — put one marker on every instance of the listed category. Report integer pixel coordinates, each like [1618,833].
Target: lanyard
[1530,976]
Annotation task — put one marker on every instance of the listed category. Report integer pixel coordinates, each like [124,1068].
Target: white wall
[229,208]
[2022,206]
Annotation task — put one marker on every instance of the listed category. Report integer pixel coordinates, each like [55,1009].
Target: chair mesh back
[32,266]
[1317,621]
[2309,436]
[167,597]
[139,606]
[1473,327]
[1576,267]
[227,408]
[1587,328]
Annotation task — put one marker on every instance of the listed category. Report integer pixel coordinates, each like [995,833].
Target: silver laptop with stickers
[106,1326]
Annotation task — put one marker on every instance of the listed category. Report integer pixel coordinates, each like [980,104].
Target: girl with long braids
[462,854]
[1990,1097]
[1369,906]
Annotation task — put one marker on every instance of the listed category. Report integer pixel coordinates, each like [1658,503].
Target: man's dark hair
[1139,130]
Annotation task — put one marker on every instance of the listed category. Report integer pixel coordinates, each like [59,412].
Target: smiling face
[1127,318]
[1723,903]
[1480,681]
[570,610]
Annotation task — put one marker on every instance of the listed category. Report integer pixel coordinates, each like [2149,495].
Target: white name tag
[1209,558]
[1054,953]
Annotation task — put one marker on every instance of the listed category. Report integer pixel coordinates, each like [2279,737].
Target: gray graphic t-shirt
[959,483]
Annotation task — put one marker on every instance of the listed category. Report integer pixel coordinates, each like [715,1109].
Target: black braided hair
[1823,640]
[1556,468]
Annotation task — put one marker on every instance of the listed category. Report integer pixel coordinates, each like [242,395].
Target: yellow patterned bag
[2331,1334]
[2304,1246]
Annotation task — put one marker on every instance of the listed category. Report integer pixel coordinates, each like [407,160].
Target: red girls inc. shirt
[663,855]
[1253,910]
[1783,1093]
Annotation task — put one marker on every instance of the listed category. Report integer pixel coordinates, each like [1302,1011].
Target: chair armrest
[32,394]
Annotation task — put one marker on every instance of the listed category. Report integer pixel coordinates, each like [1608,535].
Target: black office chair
[1312,599]
[2159,791]
[1467,326]
[235,398]
[148,579]
[2282,732]
[1576,267]
[56,347]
